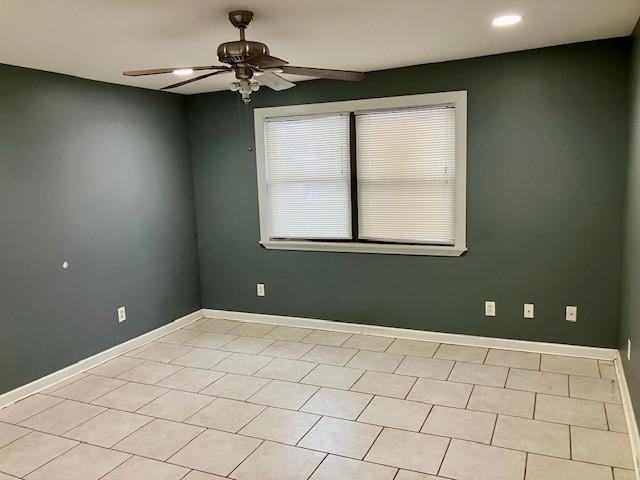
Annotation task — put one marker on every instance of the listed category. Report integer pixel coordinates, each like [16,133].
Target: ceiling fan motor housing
[240,50]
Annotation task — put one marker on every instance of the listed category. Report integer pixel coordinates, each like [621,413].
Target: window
[383,175]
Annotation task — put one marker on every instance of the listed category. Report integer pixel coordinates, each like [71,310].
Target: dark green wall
[547,155]
[98,175]
[630,319]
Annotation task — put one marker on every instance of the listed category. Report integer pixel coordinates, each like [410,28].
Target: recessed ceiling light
[506,20]
[183,71]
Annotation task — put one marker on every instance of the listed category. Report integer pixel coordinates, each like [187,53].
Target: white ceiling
[98,39]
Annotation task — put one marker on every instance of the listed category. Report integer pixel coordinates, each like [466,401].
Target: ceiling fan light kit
[252,64]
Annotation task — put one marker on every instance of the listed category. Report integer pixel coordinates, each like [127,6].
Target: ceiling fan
[251,63]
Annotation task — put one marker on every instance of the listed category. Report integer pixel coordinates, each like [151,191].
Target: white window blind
[308,177]
[406,169]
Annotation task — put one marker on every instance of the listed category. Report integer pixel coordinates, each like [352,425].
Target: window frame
[458,99]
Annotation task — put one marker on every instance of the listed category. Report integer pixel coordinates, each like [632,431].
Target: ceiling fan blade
[158,71]
[324,73]
[273,81]
[266,61]
[195,79]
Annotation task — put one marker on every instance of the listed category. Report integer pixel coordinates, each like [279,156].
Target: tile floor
[223,399]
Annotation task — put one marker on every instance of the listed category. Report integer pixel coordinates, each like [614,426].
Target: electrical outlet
[122,314]
[260,289]
[571,314]
[528,310]
[628,349]
[490,309]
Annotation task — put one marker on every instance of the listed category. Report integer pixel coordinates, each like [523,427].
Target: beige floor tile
[285,369]
[242,364]
[139,468]
[330,355]
[116,366]
[108,428]
[291,334]
[216,452]
[479,374]
[368,342]
[585,367]
[9,433]
[598,446]
[620,474]
[333,468]
[598,389]
[190,379]
[461,353]
[532,436]
[195,475]
[237,387]
[415,348]
[615,418]
[63,383]
[283,394]
[337,403]
[225,414]
[84,462]
[459,423]
[407,475]
[214,325]
[541,382]
[607,369]
[377,361]
[210,340]
[333,377]
[149,372]
[547,468]
[201,358]
[178,336]
[62,417]
[130,397]
[4,476]
[473,461]
[409,450]
[252,329]
[513,359]
[287,349]
[426,367]
[162,352]
[324,337]
[176,405]
[387,384]
[88,388]
[19,411]
[159,439]
[571,411]
[395,413]
[32,451]
[272,461]
[284,426]
[501,400]
[437,392]
[341,437]
[252,345]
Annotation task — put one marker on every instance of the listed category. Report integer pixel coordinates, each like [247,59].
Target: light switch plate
[122,314]
[260,289]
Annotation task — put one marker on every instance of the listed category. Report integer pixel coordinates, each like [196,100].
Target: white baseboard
[454,338]
[632,426]
[95,360]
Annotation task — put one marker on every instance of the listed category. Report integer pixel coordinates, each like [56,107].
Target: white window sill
[387,248]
